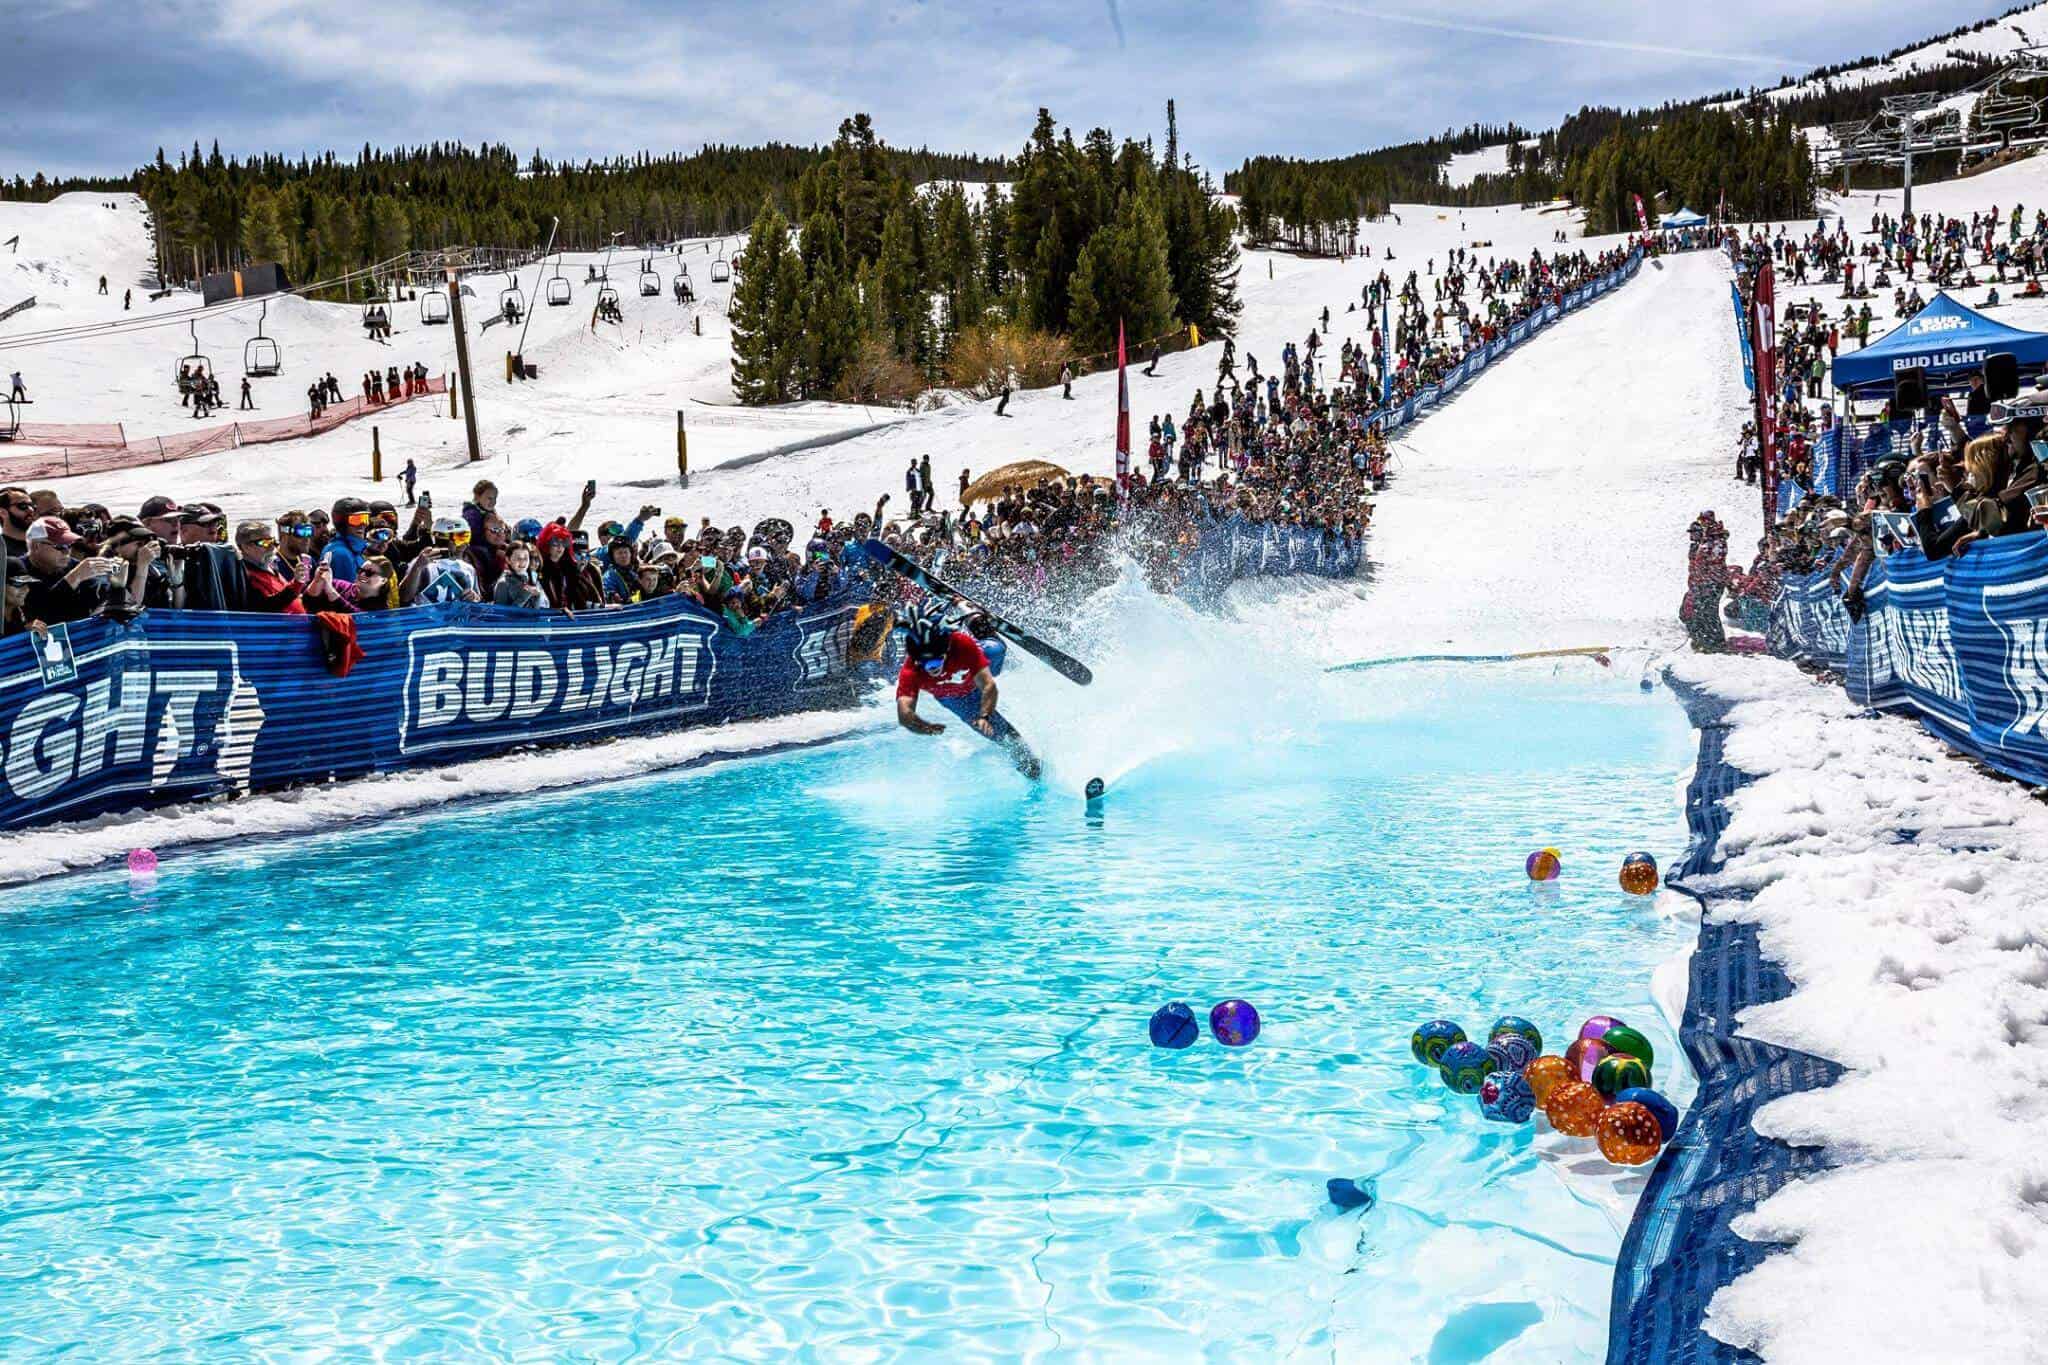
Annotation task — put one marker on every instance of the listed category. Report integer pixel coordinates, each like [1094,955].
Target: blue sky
[97,86]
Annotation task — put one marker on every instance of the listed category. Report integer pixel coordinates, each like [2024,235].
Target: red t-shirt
[964,662]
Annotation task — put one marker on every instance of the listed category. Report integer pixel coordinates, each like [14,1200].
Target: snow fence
[102,447]
[1960,643]
[1679,1248]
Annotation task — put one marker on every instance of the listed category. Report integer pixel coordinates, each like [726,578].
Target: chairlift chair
[650,283]
[560,291]
[261,358]
[510,299]
[720,271]
[195,364]
[433,308]
[10,421]
[606,294]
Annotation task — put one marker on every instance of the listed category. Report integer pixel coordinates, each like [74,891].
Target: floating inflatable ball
[1622,1038]
[1544,865]
[1429,1041]
[1574,1109]
[1597,1026]
[141,860]
[1173,1026]
[1639,874]
[1234,1022]
[1515,1023]
[1618,1072]
[1583,1056]
[1663,1110]
[1510,1052]
[1545,1074]
[1505,1097]
[1629,1134]
[1465,1067]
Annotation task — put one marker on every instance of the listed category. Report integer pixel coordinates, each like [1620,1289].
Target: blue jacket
[345,553]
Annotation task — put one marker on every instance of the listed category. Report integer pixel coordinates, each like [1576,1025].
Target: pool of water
[842,1054]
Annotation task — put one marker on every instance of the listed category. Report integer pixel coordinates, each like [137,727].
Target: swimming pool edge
[1679,1248]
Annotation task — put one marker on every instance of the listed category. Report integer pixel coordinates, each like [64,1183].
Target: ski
[1058,660]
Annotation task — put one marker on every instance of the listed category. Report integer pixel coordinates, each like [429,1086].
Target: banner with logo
[1962,643]
[1236,548]
[186,704]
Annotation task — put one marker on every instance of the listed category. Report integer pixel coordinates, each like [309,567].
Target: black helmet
[925,633]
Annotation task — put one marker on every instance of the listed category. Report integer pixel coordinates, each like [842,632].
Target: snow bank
[1897,885]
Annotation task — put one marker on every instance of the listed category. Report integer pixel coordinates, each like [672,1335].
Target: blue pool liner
[1679,1248]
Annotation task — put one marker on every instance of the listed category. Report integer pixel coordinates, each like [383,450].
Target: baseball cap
[159,506]
[53,530]
[757,555]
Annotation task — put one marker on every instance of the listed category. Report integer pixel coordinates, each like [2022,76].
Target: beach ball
[1545,1074]
[1515,1023]
[1505,1097]
[1639,874]
[142,860]
[1544,864]
[1465,1067]
[1583,1056]
[1629,1134]
[1574,1108]
[1618,1072]
[1597,1026]
[1510,1052]
[1174,1026]
[1234,1022]
[1429,1041]
[1663,1110]
[1622,1038]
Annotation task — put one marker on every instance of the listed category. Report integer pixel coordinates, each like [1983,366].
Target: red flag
[1123,410]
[1642,214]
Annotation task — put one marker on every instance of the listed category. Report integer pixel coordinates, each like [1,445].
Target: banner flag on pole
[1123,408]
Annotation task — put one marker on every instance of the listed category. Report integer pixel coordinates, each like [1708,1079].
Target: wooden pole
[376,457]
[682,451]
[462,365]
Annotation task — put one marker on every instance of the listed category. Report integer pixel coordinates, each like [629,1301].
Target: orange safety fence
[101,447]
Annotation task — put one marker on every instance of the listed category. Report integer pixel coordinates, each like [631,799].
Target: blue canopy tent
[1684,218]
[1947,340]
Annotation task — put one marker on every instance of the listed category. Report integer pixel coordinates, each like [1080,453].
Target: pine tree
[263,237]
[1122,275]
[759,353]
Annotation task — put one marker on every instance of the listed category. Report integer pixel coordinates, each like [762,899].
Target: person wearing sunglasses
[442,573]
[295,533]
[269,588]
[17,514]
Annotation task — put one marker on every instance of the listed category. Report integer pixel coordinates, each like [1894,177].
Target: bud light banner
[177,705]
[1962,642]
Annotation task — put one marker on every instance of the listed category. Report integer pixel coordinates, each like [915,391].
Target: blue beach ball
[1510,1052]
[1663,1110]
[1429,1041]
[1174,1026]
[1234,1022]
[1465,1067]
[1507,1097]
[1515,1023]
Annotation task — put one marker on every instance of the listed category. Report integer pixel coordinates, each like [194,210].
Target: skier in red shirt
[960,673]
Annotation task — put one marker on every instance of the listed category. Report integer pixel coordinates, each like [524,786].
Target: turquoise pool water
[842,1054]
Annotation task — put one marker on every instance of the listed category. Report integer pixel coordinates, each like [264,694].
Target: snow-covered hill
[2001,38]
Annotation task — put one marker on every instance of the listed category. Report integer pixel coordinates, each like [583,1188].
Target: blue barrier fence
[1238,548]
[186,704]
[1419,403]
[1961,643]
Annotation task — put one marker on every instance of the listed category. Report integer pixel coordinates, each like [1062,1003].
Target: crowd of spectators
[1275,447]
[1941,484]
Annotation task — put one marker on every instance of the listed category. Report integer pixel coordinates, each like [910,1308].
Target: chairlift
[194,365]
[10,424]
[720,271]
[433,308]
[606,294]
[261,358]
[650,283]
[511,302]
[560,291]
[683,290]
